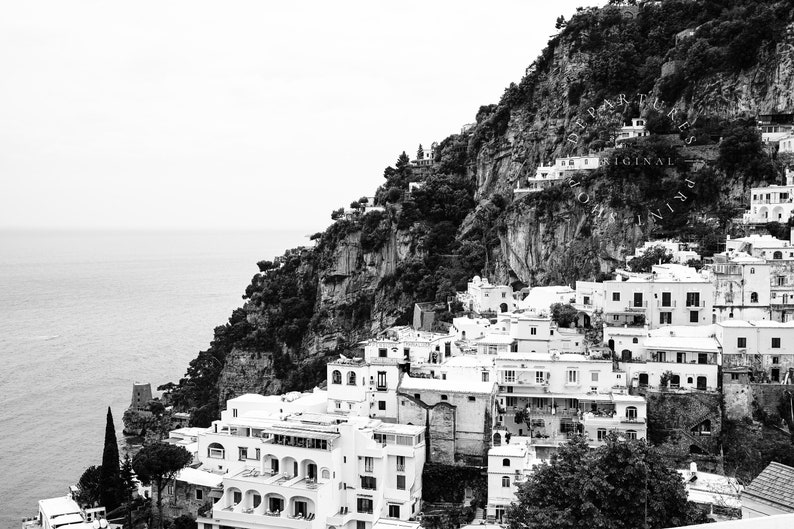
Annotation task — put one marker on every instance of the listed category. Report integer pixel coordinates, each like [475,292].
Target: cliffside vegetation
[699,91]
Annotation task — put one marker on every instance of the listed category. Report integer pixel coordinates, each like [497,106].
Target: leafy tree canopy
[620,485]
[651,256]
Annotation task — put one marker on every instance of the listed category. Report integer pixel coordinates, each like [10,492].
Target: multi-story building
[458,412]
[509,464]
[741,287]
[774,127]
[483,297]
[671,294]
[560,395]
[545,176]
[680,251]
[765,347]
[635,130]
[569,164]
[771,203]
[308,470]
[540,299]
[675,357]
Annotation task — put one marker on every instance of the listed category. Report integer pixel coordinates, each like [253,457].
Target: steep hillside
[699,92]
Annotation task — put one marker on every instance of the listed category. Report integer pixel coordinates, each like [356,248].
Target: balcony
[696,306]
[280,520]
[668,305]
[636,307]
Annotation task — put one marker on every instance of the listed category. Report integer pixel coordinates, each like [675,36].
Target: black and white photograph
[441,264]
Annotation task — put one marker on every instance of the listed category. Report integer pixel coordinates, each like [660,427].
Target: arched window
[777,255]
[216,451]
[325,473]
[336,377]
[505,481]
[752,270]
[505,462]
[753,297]
[631,434]
[631,412]
[497,439]
[635,340]
[351,378]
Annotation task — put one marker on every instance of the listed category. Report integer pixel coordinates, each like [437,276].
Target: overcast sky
[242,114]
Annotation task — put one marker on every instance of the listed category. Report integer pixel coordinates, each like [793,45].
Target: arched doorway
[503,307]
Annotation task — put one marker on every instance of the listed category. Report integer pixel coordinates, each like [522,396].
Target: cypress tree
[110,476]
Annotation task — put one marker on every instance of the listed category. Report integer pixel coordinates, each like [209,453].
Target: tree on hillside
[420,153]
[650,257]
[127,487]
[620,485]
[563,313]
[88,486]
[560,22]
[157,464]
[109,476]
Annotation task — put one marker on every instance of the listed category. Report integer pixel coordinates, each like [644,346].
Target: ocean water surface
[82,316]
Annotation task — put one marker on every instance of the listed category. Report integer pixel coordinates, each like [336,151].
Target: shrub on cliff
[375,231]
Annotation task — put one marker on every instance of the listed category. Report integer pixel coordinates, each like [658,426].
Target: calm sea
[82,316]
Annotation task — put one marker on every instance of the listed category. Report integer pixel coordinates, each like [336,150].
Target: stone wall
[245,372]
[745,400]
[180,498]
[690,421]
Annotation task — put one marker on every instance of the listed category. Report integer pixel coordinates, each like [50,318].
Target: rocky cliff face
[605,67]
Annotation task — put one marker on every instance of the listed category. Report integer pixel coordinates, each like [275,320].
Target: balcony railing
[661,303]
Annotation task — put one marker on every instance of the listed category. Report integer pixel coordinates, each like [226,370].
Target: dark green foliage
[606,487]
[657,123]
[779,230]
[749,447]
[650,257]
[127,487]
[109,478]
[184,522]
[445,198]
[264,266]
[157,464]
[447,483]
[88,486]
[451,155]
[563,314]
[375,231]
[742,152]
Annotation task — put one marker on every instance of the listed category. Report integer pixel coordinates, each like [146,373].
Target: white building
[786,144]
[540,299]
[65,513]
[635,130]
[509,464]
[545,176]
[771,203]
[689,354]
[766,347]
[564,394]
[577,163]
[679,251]
[483,297]
[671,294]
[742,286]
[287,466]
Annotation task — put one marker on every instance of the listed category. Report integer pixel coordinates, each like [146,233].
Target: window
[382,405]
[631,412]
[199,494]
[662,356]
[407,352]
[533,331]
[234,412]
[505,462]
[540,377]
[635,340]
[511,401]
[351,378]
[509,376]
[400,463]
[400,482]
[775,374]
[238,497]
[243,453]
[666,299]
[594,376]
[381,380]
[368,463]
[703,358]
[444,397]
[616,296]
[170,489]
[368,482]
[505,481]
[417,396]
[364,505]
[693,316]
[665,317]
[472,399]
[336,377]
[394,511]
[572,376]
[775,359]
[338,405]
[775,343]
[485,376]
[216,451]
[638,299]
[777,255]
[781,281]
[680,358]
[752,270]
[586,300]
[601,434]
[361,525]
[741,342]
[693,299]
[631,435]
[753,297]
[382,353]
